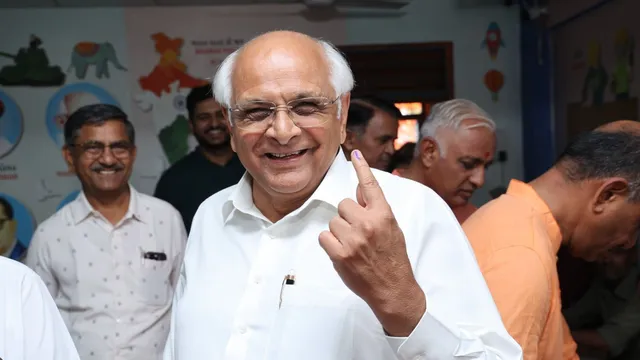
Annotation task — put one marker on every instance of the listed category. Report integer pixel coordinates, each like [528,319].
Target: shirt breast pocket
[153,280]
[313,323]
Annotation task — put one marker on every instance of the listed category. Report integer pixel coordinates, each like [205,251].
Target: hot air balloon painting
[493,40]
[494,80]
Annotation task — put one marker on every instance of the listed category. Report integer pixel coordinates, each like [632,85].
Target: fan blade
[374,4]
[254,14]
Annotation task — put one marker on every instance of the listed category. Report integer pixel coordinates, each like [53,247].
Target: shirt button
[419,356]
[118,321]
[243,330]
[257,280]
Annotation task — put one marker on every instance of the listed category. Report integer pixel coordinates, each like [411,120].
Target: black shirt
[191,180]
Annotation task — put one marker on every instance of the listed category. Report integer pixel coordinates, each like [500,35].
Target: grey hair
[450,114]
[341,76]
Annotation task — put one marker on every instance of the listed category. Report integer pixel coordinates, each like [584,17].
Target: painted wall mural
[98,55]
[69,99]
[16,227]
[11,124]
[493,40]
[164,91]
[31,67]
[595,69]
[494,81]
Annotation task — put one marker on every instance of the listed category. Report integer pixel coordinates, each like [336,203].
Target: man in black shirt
[211,167]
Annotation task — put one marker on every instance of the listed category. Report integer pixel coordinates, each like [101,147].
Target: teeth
[287,154]
[107,172]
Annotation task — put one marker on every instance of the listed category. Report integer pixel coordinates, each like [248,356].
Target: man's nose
[477,177]
[107,157]
[283,128]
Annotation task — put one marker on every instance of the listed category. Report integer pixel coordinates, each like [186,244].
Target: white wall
[37,158]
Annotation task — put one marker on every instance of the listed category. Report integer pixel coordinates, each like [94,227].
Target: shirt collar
[334,187]
[81,209]
[525,192]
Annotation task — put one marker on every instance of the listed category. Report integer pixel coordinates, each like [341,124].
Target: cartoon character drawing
[624,45]
[31,67]
[493,40]
[9,245]
[595,82]
[169,69]
[96,54]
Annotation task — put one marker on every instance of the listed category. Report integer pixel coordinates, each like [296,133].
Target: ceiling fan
[323,10]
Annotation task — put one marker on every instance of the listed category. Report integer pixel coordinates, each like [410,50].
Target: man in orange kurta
[589,201]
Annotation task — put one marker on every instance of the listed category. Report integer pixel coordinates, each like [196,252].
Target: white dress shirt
[231,304]
[31,327]
[115,302]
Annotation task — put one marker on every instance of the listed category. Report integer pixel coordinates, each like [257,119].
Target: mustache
[220,128]
[101,167]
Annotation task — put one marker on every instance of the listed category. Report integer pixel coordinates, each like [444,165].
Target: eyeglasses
[120,149]
[3,222]
[304,112]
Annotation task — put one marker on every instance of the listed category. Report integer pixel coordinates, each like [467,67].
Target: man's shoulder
[218,199]
[17,273]
[505,209]
[178,169]
[156,204]
[59,219]
[503,222]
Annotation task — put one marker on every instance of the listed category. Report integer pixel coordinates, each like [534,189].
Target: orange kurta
[516,239]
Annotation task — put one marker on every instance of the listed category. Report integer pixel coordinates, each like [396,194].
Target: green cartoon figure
[623,69]
[595,83]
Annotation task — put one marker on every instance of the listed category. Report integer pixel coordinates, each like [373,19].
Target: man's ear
[349,142]
[610,191]
[345,100]
[429,151]
[227,123]
[67,155]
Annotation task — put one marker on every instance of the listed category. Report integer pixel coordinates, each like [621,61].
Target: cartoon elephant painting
[97,54]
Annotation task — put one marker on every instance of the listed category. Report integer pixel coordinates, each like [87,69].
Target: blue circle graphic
[24,229]
[69,99]
[11,125]
[69,198]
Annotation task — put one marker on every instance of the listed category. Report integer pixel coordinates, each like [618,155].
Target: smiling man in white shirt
[293,263]
[111,257]
[31,327]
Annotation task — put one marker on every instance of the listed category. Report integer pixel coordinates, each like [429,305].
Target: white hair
[451,114]
[341,76]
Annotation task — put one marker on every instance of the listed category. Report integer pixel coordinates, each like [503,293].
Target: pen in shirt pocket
[289,280]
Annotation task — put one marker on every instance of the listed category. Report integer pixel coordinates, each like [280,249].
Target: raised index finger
[368,184]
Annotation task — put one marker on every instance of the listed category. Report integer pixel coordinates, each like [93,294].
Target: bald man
[457,143]
[588,201]
[311,256]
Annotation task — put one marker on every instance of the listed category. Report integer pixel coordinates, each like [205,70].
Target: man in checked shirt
[111,257]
